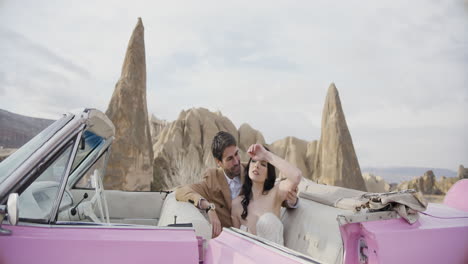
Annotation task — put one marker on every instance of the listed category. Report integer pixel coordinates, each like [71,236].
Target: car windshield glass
[91,141]
[21,155]
[85,181]
[37,201]
[86,156]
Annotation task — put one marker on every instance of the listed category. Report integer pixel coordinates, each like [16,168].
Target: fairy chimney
[130,163]
[336,162]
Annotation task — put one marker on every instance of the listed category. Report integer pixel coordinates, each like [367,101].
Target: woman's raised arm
[293,174]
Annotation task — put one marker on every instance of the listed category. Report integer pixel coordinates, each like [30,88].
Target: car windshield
[10,164]
[90,142]
[85,155]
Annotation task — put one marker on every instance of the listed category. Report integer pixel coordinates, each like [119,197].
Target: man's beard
[232,172]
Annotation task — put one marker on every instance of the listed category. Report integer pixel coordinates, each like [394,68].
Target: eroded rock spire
[130,163]
[336,161]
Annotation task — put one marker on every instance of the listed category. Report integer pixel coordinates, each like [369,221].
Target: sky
[401,67]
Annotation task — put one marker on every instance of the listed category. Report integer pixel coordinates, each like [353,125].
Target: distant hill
[400,174]
[16,130]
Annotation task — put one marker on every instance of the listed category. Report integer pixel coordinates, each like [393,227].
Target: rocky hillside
[298,152]
[462,172]
[156,126]
[375,184]
[182,149]
[400,174]
[16,130]
[428,184]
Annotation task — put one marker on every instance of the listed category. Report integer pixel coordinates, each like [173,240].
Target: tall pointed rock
[336,161]
[130,163]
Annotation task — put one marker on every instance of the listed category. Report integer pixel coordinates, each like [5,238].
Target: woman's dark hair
[247,186]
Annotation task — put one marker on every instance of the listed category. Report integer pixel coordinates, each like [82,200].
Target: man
[220,186]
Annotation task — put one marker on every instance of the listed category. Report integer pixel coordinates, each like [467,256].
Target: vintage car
[54,209]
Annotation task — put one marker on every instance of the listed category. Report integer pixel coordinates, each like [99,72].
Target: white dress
[270,227]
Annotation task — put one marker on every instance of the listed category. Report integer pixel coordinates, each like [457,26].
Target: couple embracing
[244,196]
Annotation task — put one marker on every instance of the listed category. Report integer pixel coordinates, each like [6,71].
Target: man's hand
[291,198]
[215,223]
[214,219]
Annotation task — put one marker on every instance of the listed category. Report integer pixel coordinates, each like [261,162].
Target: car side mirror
[10,210]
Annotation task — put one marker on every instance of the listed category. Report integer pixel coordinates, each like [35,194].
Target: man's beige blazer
[213,188]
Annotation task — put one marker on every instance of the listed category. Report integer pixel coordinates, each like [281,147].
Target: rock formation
[183,150]
[249,136]
[445,183]
[375,184]
[297,151]
[425,184]
[311,157]
[156,126]
[462,172]
[336,161]
[130,163]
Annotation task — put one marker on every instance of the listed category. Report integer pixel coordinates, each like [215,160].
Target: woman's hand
[291,198]
[258,152]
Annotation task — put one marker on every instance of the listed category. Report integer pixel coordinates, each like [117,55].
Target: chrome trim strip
[273,246]
[62,224]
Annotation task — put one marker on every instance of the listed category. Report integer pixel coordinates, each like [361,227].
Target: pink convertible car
[52,195]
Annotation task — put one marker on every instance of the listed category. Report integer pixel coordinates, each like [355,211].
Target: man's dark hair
[221,141]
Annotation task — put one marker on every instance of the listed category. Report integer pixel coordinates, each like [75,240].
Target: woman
[257,209]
